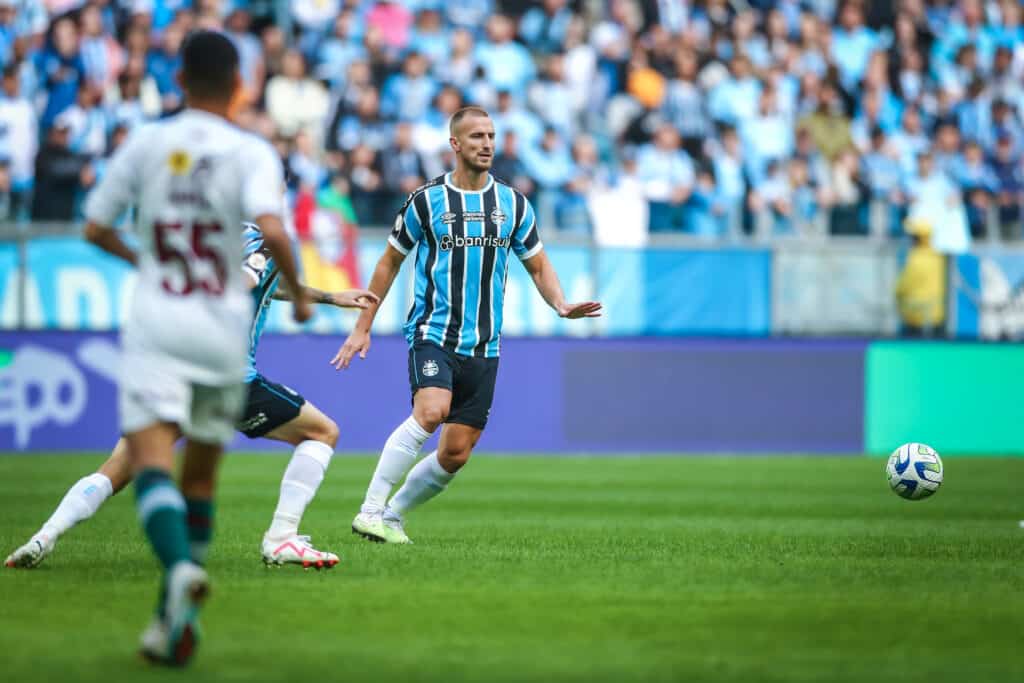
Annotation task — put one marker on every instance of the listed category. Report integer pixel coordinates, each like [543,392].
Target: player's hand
[357,342]
[355,298]
[302,310]
[589,309]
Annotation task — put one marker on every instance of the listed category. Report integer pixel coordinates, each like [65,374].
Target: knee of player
[431,416]
[454,459]
[326,431]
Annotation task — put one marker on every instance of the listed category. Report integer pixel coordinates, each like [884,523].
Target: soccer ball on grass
[914,471]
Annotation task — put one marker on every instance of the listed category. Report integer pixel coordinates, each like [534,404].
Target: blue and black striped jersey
[261,268]
[463,240]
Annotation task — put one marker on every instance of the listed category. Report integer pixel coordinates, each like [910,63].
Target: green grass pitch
[559,569]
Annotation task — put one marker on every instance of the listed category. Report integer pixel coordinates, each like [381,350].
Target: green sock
[199,515]
[162,513]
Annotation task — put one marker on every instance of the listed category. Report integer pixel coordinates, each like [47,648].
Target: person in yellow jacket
[921,287]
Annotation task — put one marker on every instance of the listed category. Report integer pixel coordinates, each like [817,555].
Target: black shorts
[268,406]
[470,379]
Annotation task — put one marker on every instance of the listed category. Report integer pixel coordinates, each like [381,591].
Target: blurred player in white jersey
[272,411]
[193,180]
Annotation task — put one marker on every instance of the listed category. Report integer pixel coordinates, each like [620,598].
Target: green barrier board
[957,398]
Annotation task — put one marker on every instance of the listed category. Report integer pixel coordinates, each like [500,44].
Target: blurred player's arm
[349,298]
[109,240]
[262,202]
[546,280]
[112,196]
[276,241]
[380,284]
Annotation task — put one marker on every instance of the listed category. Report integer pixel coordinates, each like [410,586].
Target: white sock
[400,452]
[301,479]
[425,481]
[80,502]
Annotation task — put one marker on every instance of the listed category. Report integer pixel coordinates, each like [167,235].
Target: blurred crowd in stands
[619,118]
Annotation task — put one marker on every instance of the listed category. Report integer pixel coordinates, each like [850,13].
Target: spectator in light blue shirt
[62,70]
[974,114]
[543,28]
[909,140]
[250,51]
[868,119]
[735,99]
[551,97]
[767,136]
[702,213]
[550,166]
[979,184]
[7,32]
[967,26]
[1005,124]
[508,64]
[730,176]
[883,174]
[684,102]
[163,65]
[469,14]
[852,44]
[407,95]
[430,37]
[336,52]
[668,176]
[572,213]
[509,116]
[459,65]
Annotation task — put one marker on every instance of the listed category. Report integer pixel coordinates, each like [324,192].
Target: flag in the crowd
[328,244]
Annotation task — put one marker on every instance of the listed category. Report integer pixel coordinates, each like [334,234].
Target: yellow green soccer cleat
[373,527]
[394,532]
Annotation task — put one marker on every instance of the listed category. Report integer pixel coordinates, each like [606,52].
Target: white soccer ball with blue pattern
[914,471]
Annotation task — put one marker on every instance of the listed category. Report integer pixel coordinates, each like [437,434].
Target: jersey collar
[485,188]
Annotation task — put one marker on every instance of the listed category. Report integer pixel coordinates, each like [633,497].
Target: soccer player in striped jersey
[465,227]
[272,411]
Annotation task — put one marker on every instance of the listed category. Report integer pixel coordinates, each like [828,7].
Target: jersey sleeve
[408,228]
[118,187]
[263,179]
[525,239]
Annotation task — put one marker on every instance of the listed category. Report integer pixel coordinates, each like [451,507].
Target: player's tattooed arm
[110,241]
[350,298]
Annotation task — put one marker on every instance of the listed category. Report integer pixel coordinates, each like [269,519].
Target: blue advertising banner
[685,292]
[58,392]
[725,292]
[72,285]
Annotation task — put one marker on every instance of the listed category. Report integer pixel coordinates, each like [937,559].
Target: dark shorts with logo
[471,380]
[268,406]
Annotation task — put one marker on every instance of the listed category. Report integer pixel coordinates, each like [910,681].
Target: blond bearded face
[473,142]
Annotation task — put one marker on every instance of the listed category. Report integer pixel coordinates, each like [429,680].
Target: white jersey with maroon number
[193,180]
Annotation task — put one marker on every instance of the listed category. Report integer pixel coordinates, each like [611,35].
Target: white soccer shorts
[149,394]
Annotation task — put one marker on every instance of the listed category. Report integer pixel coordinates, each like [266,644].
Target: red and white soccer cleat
[296,550]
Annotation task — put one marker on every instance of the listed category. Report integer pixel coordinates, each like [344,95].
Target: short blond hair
[463,113]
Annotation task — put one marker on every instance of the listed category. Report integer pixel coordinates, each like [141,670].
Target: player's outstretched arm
[546,280]
[349,298]
[380,284]
[108,239]
[277,243]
